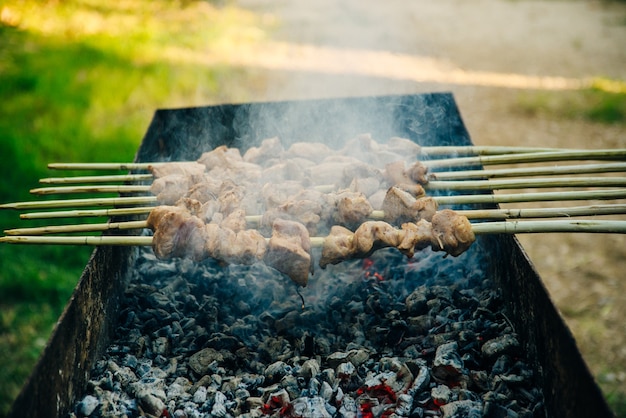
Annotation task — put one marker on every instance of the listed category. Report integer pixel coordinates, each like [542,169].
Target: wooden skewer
[536,157]
[590,210]
[537,227]
[97,179]
[530,197]
[444,175]
[103,166]
[441,150]
[433,185]
[513,158]
[593,210]
[530,171]
[103,201]
[87,213]
[57,229]
[508,227]
[442,200]
[90,189]
[483,150]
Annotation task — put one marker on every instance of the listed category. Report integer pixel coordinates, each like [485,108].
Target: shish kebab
[340,243]
[177,233]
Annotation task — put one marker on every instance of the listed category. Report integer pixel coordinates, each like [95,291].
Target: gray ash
[385,336]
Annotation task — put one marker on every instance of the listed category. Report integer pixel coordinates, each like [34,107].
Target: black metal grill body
[85,327]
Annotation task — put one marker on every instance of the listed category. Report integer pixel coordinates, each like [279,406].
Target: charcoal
[447,365]
[88,405]
[412,340]
[202,361]
[462,409]
[505,344]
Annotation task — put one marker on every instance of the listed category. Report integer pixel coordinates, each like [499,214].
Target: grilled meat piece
[373,235]
[168,189]
[367,185]
[204,190]
[268,149]
[352,208]
[400,206]
[185,168]
[418,172]
[452,232]
[405,147]
[338,246]
[179,234]
[242,247]
[289,250]
[156,214]
[314,151]
[230,196]
[395,173]
[415,236]
[235,221]
[220,157]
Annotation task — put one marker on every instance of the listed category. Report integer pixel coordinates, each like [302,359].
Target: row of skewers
[382,197]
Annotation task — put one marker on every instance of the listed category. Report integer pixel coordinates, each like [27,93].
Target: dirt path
[488,53]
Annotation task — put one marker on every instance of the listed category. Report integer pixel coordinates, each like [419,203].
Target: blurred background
[80,80]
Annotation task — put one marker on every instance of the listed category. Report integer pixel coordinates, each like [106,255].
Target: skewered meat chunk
[307,212]
[415,236]
[452,232]
[205,211]
[404,147]
[352,208]
[185,168]
[235,221]
[269,148]
[368,185]
[220,157]
[168,189]
[395,173]
[418,172]
[314,151]
[400,206]
[415,190]
[204,190]
[373,235]
[338,246]
[250,247]
[362,146]
[289,250]
[275,195]
[177,233]
[230,196]
[242,247]
[449,232]
[156,214]
[285,170]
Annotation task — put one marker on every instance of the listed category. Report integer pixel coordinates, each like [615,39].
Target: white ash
[385,336]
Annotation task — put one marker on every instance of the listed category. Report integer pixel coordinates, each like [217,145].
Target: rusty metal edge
[570,389]
[80,337]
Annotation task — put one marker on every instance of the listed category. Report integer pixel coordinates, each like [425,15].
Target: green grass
[603,101]
[79,81]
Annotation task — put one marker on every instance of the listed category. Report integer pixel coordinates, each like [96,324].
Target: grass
[603,101]
[79,81]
